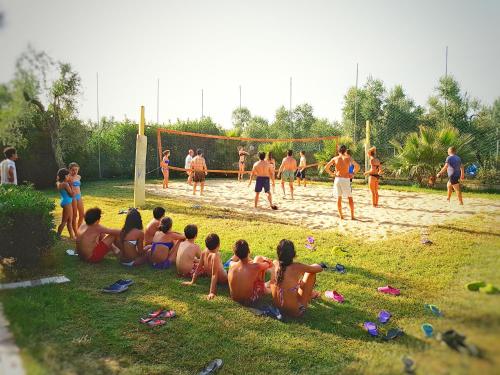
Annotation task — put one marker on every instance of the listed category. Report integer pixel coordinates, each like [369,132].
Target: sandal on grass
[156,313]
[384,316]
[427,329]
[334,295]
[156,322]
[393,333]
[433,309]
[371,328]
[475,285]
[167,314]
[212,367]
[489,289]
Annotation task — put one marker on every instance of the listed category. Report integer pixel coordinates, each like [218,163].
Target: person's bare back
[289,164]
[342,163]
[262,168]
[188,255]
[150,231]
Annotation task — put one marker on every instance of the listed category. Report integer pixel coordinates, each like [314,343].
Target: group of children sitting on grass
[291,284]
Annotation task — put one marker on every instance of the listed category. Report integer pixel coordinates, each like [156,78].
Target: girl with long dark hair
[131,240]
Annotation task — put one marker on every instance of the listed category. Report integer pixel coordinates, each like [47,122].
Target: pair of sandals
[156,318]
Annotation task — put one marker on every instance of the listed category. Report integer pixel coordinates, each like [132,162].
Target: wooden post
[141,144]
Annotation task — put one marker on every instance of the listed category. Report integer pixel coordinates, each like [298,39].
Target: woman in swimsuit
[131,240]
[294,281]
[164,167]
[374,175]
[66,192]
[241,165]
[77,205]
[270,159]
[163,250]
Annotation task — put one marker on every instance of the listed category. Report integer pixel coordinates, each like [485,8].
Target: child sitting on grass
[153,225]
[247,278]
[163,250]
[93,241]
[189,253]
[210,260]
[290,296]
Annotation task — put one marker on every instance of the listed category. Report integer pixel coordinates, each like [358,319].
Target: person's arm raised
[442,170]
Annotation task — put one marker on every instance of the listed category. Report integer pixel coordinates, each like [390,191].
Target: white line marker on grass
[29,283]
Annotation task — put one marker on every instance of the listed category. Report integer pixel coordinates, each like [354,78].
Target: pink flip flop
[167,314]
[334,295]
[156,322]
[389,290]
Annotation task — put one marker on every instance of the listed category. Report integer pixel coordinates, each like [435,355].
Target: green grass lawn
[75,329]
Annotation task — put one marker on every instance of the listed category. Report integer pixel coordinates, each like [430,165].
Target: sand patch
[314,206]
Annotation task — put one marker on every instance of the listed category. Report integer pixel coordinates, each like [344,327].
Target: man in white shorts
[342,183]
[187,166]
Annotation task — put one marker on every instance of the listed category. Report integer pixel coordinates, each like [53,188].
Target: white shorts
[342,187]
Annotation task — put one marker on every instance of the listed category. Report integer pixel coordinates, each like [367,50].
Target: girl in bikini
[163,250]
[241,165]
[164,167]
[66,192]
[270,159]
[77,204]
[131,240]
[294,285]
[374,175]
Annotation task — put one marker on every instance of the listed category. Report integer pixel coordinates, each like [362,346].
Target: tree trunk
[53,125]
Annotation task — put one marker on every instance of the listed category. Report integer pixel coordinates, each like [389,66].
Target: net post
[367,144]
[140,164]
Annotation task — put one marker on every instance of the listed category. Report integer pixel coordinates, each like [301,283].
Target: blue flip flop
[433,309]
[427,329]
[115,288]
[384,316]
[371,328]
[125,282]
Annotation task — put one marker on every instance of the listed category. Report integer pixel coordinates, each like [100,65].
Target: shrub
[26,224]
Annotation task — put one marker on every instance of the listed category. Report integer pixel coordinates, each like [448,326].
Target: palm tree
[423,153]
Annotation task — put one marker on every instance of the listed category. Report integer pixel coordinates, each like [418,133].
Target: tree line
[38,116]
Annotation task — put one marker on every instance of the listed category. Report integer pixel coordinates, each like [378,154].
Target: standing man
[241,164]
[187,166]
[199,171]
[301,172]
[287,171]
[8,173]
[453,165]
[342,183]
[263,170]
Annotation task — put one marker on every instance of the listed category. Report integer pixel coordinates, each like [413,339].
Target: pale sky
[259,44]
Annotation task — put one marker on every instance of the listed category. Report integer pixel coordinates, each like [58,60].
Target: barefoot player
[199,171]
[287,171]
[263,172]
[242,154]
[455,169]
[342,183]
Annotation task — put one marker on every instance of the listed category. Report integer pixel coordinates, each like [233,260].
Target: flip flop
[384,316]
[273,312]
[71,252]
[212,367]
[156,322]
[167,314]
[340,268]
[274,207]
[427,329]
[324,265]
[426,241]
[371,328]
[156,313]
[145,320]
[489,289]
[433,309]
[310,247]
[334,295]
[393,333]
[310,239]
[409,365]
[389,290]
[475,285]
[456,341]
[125,282]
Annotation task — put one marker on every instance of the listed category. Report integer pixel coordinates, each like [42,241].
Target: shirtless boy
[189,253]
[153,225]
[246,278]
[93,241]
[199,171]
[342,183]
[241,164]
[263,172]
[287,171]
[210,260]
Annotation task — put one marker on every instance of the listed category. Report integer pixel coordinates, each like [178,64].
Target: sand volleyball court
[314,206]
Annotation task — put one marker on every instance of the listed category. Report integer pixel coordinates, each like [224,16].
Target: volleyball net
[222,152]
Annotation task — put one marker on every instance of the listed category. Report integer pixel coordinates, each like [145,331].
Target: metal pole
[202,104]
[98,126]
[240,98]
[445,83]
[355,105]
[158,102]
[290,96]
